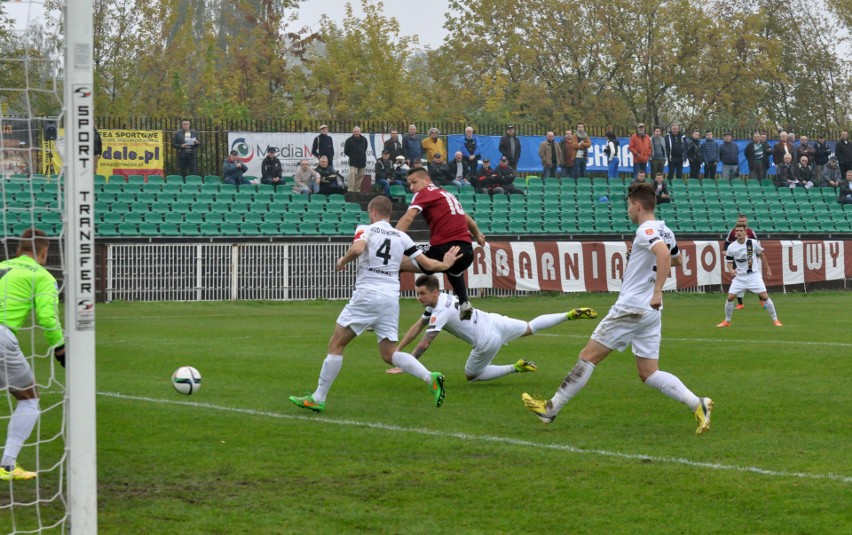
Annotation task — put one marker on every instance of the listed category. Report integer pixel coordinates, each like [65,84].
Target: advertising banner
[131,152]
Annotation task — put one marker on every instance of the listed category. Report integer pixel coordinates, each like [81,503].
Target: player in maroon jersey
[732,237]
[449,226]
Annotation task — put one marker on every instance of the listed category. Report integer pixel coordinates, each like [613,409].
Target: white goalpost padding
[79,169]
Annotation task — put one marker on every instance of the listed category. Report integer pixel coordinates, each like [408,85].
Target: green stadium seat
[160,206]
[229,229]
[128,229]
[169,229]
[311,217]
[195,218]
[213,217]
[249,229]
[308,229]
[253,217]
[174,189]
[189,229]
[53,218]
[211,179]
[535,227]
[517,228]
[210,198]
[112,218]
[145,197]
[292,218]
[185,197]
[209,229]
[106,230]
[136,179]
[221,207]
[328,229]
[193,179]
[272,229]
[116,179]
[140,207]
[182,207]
[155,180]
[174,179]
[149,229]
[173,217]
[133,217]
[244,208]
[100,179]
[233,217]
[497,227]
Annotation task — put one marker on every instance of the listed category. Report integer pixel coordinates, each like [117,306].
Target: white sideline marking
[489,438]
[716,340]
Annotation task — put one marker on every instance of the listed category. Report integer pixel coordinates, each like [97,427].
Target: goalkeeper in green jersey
[25,285]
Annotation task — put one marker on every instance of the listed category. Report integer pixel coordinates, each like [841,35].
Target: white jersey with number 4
[378,265]
[745,257]
[637,287]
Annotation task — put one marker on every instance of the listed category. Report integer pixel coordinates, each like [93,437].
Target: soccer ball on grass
[186,380]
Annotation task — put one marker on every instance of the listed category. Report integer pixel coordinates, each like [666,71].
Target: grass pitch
[238,457]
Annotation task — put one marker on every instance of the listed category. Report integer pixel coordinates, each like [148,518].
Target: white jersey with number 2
[378,265]
[637,287]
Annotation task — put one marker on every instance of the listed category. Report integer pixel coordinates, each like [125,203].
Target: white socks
[547,321]
[494,372]
[770,307]
[20,427]
[330,368]
[411,365]
[729,310]
[573,383]
[671,386]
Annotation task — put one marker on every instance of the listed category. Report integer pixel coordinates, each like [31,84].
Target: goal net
[46,182]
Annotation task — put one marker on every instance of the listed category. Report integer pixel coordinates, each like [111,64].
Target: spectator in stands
[355,148]
[742,220]
[400,170]
[660,189]
[98,149]
[270,168]
[550,155]
[323,145]
[412,148]
[784,174]
[510,147]
[821,153]
[846,189]
[385,176]
[471,151]
[439,172]
[582,144]
[804,173]
[186,142]
[729,155]
[693,155]
[658,151]
[506,177]
[805,149]
[675,152]
[233,169]
[754,153]
[460,171]
[640,148]
[830,176]
[330,180]
[843,151]
[487,180]
[393,145]
[566,146]
[767,153]
[433,144]
[781,148]
[640,177]
[305,179]
[611,152]
[709,155]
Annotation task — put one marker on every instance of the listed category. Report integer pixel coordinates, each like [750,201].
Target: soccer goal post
[78,119]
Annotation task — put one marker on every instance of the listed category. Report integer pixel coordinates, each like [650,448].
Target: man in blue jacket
[709,155]
[470,151]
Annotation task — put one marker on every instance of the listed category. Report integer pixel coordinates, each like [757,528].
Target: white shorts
[751,282]
[15,371]
[372,310]
[503,331]
[639,327]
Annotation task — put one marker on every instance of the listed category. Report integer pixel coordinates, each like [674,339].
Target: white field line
[489,438]
[717,340]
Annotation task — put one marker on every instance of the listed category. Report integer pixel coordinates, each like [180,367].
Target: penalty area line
[488,438]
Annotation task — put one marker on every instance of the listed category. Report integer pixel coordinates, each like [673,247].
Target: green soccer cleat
[702,414]
[437,388]
[524,366]
[16,473]
[580,313]
[307,402]
[538,407]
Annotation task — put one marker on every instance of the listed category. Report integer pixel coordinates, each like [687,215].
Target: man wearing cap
[729,155]
[487,180]
[830,176]
[640,148]
[438,170]
[323,145]
[400,170]
[355,148]
[506,178]
[385,173]
[233,169]
[510,147]
[270,168]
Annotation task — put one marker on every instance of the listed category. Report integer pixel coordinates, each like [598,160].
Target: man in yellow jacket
[431,145]
[25,285]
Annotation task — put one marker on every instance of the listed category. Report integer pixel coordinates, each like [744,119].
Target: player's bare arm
[354,252]
[474,230]
[664,266]
[424,344]
[412,333]
[407,219]
[766,266]
[732,271]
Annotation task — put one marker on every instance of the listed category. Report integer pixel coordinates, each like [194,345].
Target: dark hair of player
[429,281]
[643,193]
[32,241]
[382,205]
